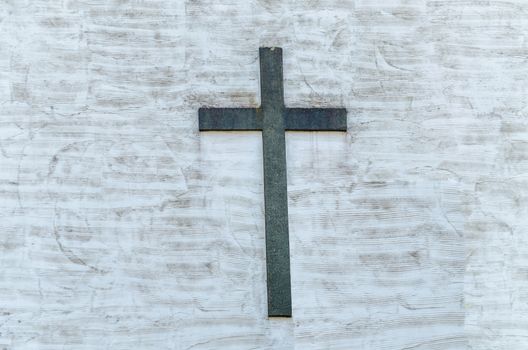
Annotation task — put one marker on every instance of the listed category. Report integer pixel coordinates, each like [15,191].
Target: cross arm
[316,119]
[228,119]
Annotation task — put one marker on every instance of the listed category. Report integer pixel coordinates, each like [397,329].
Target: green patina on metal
[273,119]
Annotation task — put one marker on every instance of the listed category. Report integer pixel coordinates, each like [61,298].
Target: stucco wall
[123,227]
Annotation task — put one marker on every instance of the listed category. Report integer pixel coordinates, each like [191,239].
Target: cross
[273,119]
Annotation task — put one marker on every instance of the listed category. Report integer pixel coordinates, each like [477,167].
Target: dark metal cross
[273,119]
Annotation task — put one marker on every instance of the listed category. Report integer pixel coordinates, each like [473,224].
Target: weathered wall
[124,228]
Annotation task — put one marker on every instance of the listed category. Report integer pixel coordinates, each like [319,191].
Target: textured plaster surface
[123,227]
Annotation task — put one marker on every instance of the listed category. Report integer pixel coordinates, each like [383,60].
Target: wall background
[124,228]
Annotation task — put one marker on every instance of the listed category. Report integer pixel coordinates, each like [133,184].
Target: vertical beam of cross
[275,189]
[273,119]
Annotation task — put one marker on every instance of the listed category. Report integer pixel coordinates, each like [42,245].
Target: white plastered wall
[123,227]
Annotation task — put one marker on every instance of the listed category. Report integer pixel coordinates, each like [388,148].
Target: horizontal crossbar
[297,119]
